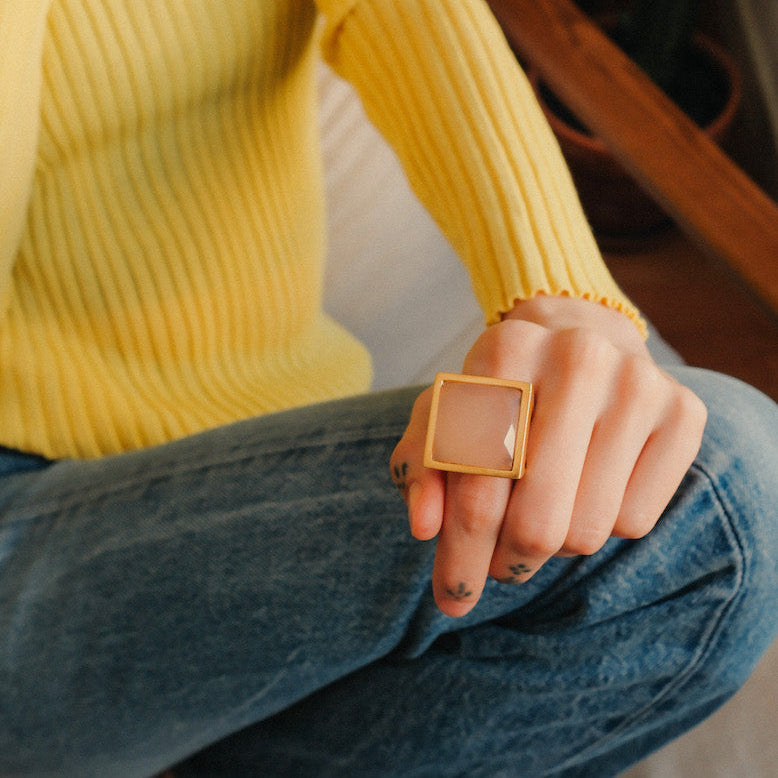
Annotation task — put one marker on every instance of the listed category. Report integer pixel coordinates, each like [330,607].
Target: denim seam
[705,645]
[69,500]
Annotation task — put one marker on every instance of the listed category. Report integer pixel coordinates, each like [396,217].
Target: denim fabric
[253,591]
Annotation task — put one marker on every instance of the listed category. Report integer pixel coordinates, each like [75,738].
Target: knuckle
[586,542]
[634,526]
[474,514]
[689,407]
[537,542]
[501,347]
[471,525]
[639,380]
[488,356]
[583,349]
[633,532]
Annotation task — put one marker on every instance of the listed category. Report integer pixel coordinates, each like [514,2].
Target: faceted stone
[476,425]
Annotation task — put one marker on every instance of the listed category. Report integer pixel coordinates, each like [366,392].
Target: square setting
[478,425]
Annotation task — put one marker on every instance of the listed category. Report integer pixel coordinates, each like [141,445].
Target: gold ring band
[479,425]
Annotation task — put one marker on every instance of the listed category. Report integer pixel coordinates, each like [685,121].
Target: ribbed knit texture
[22,27]
[169,276]
[475,145]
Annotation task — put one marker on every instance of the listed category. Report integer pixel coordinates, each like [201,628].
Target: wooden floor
[701,309]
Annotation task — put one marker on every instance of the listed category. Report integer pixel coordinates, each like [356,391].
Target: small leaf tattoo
[400,476]
[460,593]
[517,571]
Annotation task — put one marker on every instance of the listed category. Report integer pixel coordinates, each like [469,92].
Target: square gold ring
[478,425]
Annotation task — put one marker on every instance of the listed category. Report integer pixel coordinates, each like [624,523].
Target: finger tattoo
[400,476]
[518,572]
[460,593]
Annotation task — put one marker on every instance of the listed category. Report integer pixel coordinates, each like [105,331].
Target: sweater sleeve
[22,27]
[440,82]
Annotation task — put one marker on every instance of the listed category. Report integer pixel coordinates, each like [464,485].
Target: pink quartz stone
[476,425]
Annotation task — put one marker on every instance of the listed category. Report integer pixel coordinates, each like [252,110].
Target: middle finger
[472,516]
[539,514]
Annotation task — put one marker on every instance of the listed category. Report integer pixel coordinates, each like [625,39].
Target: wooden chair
[714,202]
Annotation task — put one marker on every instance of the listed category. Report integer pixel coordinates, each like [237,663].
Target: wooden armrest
[709,197]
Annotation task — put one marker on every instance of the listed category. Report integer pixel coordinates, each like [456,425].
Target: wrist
[561,312]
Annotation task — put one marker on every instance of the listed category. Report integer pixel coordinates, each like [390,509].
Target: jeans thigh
[153,602]
[602,659]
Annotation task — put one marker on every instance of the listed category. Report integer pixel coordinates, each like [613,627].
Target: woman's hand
[611,437]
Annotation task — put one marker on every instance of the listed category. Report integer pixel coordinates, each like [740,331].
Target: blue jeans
[252,593]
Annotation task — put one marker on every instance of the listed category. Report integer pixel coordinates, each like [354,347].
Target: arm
[612,435]
[439,81]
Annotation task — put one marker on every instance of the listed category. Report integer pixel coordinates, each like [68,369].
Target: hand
[611,437]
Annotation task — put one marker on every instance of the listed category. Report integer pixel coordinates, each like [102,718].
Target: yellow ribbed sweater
[161,213]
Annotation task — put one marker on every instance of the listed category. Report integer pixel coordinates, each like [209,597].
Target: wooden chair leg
[710,198]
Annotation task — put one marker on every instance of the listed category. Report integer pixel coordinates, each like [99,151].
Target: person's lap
[158,602]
